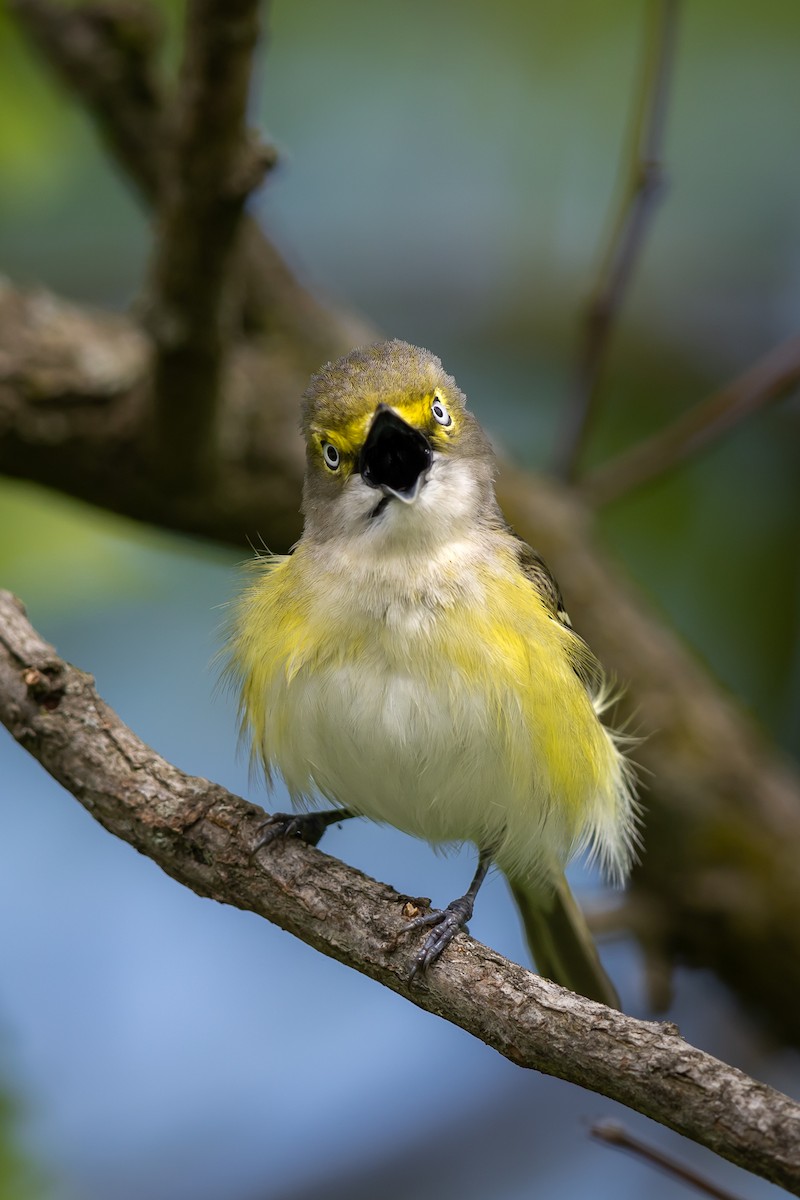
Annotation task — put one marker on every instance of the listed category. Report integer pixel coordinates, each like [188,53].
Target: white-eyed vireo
[412,661]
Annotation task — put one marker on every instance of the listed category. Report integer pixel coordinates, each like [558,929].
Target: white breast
[387,745]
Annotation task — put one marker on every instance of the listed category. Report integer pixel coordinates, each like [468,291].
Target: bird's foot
[446,922]
[308,827]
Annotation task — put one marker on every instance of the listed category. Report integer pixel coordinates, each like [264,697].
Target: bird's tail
[561,944]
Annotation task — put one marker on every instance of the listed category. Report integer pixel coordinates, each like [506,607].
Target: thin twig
[642,188]
[614,1134]
[766,380]
[203,836]
[210,168]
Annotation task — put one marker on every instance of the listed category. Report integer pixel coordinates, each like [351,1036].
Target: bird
[411,661]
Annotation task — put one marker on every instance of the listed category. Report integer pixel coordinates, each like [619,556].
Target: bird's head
[392,451]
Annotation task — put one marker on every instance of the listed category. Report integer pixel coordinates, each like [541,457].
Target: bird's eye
[440,413]
[331,456]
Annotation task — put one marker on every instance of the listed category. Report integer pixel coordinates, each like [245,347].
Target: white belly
[392,749]
[435,763]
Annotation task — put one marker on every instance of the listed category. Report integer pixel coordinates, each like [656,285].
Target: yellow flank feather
[412,662]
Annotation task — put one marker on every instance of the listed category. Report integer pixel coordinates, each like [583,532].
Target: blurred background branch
[698,428]
[107,52]
[613,1134]
[642,185]
[209,165]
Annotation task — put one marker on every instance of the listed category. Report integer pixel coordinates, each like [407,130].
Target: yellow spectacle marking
[415,410]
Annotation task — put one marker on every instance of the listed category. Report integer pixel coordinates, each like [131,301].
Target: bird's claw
[308,827]
[447,922]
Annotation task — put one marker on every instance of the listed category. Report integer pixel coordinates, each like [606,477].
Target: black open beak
[396,457]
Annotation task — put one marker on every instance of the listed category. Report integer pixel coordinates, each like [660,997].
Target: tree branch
[74,404]
[636,205]
[208,169]
[201,835]
[766,380]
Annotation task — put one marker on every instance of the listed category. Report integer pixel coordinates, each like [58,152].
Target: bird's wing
[537,572]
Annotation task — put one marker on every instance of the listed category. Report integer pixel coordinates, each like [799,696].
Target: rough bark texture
[201,835]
